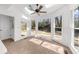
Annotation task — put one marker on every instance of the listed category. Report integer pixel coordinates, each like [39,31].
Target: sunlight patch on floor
[53,47]
[36,41]
[58,36]
[48,45]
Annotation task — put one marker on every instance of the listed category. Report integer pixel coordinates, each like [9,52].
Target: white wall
[67,26]
[15,11]
[66,17]
[17,24]
[2,48]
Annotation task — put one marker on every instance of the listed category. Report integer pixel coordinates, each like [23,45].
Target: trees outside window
[76,27]
[23,28]
[33,24]
[44,25]
[58,25]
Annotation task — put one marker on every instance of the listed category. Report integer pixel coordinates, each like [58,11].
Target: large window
[33,24]
[23,28]
[44,27]
[76,27]
[58,27]
[33,27]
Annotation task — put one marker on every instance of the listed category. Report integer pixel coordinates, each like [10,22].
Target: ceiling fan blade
[31,7]
[40,7]
[43,12]
[32,13]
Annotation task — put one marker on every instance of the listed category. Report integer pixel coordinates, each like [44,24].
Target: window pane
[76,27]
[23,29]
[58,28]
[44,27]
[33,27]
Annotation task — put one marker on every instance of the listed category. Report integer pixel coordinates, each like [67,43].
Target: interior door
[4,27]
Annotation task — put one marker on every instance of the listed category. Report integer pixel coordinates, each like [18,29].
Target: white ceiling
[4,6]
[45,6]
[21,8]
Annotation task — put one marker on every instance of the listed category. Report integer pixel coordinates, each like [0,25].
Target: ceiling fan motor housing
[37,10]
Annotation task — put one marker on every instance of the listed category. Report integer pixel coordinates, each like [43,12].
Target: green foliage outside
[23,26]
[33,24]
[44,26]
[76,24]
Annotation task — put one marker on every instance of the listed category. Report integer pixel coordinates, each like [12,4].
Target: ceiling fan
[38,9]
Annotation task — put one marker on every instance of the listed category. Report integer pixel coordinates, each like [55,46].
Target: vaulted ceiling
[22,6]
[4,6]
[24,9]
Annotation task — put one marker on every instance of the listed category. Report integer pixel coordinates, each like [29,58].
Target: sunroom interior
[57,29]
